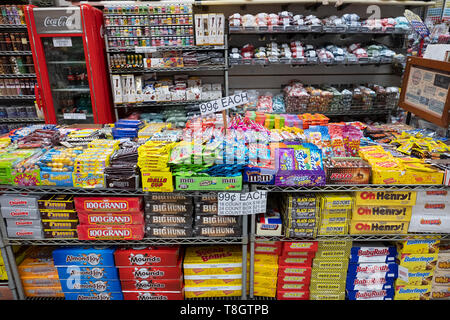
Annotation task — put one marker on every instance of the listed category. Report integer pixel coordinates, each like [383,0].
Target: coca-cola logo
[62,21]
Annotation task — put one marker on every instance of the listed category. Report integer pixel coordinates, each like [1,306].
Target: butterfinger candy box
[418,261]
[84,256]
[147,256]
[418,246]
[154,296]
[411,292]
[387,198]
[110,204]
[106,218]
[417,278]
[112,232]
[56,202]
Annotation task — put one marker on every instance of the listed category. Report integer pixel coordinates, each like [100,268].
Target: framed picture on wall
[425,90]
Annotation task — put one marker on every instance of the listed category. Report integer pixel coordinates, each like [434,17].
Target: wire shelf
[160,104]
[15,120]
[318,30]
[23,75]
[349,188]
[13,26]
[362,237]
[180,69]
[17,97]
[15,53]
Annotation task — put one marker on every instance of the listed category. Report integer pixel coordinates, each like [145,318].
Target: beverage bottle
[70,77]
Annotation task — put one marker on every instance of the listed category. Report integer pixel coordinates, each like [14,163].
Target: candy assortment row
[154,42]
[148,9]
[148,21]
[150,31]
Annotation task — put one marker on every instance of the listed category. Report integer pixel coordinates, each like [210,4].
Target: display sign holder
[425,90]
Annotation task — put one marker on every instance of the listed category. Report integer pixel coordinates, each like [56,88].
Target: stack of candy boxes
[329,270]
[150,273]
[113,218]
[59,217]
[371,272]
[440,287]
[335,209]
[266,269]
[431,214]
[39,275]
[382,212]
[213,271]
[417,260]
[88,273]
[22,216]
[294,273]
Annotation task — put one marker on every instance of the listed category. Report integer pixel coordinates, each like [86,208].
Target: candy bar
[113,204]
[156,295]
[84,256]
[132,218]
[61,234]
[19,213]
[168,208]
[206,208]
[112,232]
[87,273]
[25,232]
[12,200]
[385,213]
[418,261]
[91,286]
[56,202]
[59,224]
[366,295]
[418,246]
[411,292]
[152,285]
[57,215]
[375,252]
[378,227]
[168,232]
[385,198]
[292,295]
[217,221]
[147,256]
[23,223]
[169,220]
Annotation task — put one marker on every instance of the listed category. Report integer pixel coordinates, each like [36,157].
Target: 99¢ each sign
[246,203]
[224,103]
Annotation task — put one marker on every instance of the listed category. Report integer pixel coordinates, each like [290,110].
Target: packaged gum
[418,261]
[385,213]
[410,292]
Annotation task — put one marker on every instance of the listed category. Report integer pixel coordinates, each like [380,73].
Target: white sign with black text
[224,103]
[238,204]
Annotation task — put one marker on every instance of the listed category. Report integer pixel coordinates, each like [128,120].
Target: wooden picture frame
[425,90]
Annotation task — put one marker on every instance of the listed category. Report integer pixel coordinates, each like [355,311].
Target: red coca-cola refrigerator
[69,56]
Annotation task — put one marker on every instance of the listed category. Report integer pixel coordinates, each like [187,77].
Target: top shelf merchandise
[12,15]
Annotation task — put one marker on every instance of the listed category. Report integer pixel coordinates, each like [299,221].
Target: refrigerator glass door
[69,84]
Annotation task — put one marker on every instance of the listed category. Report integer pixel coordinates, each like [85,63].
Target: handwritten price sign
[224,103]
[238,204]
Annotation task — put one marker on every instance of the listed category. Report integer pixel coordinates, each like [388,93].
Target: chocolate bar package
[301,223]
[117,218]
[206,208]
[59,224]
[153,284]
[23,223]
[154,272]
[155,295]
[374,252]
[217,221]
[209,231]
[61,234]
[122,181]
[108,204]
[159,208]
[167,232]
[25,232]
[374,283]
[106,296]
[387,294]
[166,197]
[84,256]
[17,200]
[57,202]
[300,213]
[91,285]
[307,200]
[207,197]
[87,273]
[390,269]
[110,232]
[301,232]
[147,256]
[58,215]
[169,220]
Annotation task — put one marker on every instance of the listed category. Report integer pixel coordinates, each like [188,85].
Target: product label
[385,198]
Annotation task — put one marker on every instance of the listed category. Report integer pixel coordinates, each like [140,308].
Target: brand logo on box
[106,204]
[435,206]
[150,296]
[101,219]
[92,258]
[106,233]
[371,294]
[18,202]
[100,296]
[18,213]
[144,273]
[147,285]
[141,259]
[341,176]
[381,195]
[436,222]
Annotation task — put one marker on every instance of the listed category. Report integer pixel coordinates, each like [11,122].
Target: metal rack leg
[244,257]
[15,272]
[11,279]
[252,255]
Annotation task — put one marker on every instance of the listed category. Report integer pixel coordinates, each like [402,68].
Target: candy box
[56,202]
[429,223]
[108,204]
[411,292]
[97,296]
[61,179]
[305,261]
[443,263]
[55,215]
[375,252]
[282,286]
[347,171]
[117,218]
[210,231]
[91,285]
[441,277]
[212,291]
[433,196]
[59,224]
[23,223]
[333,229]
[264,270]
[304,246]
[154,272]
[268,247]
[208,183]
[156,231]
[385,198]
[305,178]
[294,274]
[153,284]
[418,261]
[110,232]
[88,179]
[384,213]
[87,273]
[6,293]
[367,269]
[418,246]
[366,295]
[431,208]
[39,291]
[336,201]
[156,181]
[330,264]
[160,208]
[259,175]
[318,295]
[84,256]
[264,282]
[147,256]
[417,278]
[440,292]
[266,228]
[19,213]
[292,295]
[155,295]
[60,234]
[375,282]
[263,292]
[327,286]
[378,227]
[25,232]
[169,220]
[217,221]
[32,177]
[16,200]
[168,198]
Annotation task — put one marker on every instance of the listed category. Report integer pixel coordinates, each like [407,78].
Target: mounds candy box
[59,224]
[373,252]
[87,273]
[292,295]
[154,231]
[38,291]
[259,175]
[23,223]
[430,223]
[418,246]
[212,291]
[299,261]
[418,261]
[91,285]
[411,292]
[152,285]
[17,200]
[417,278]
[154,295]
[58,215]
[439,196]
[208,183]
[169,208]
[113,232]
[147,256]
[84,256]
[373,283]
[303,246]
[378,227]
[440,292]
[156,272]
[108,204]
[25,232]
[217,221]
[362,269]
[107,218]
[104,296]
[56,202]
[169,220]
[385,198]
[387,294]
[61,234]
[347,171]
[384,213]
[19,213]
[268,247]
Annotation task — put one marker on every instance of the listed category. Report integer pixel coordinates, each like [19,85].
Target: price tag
[75,116]
[62,42]
[238,204]
[403,273]
[145,49]
[224,103]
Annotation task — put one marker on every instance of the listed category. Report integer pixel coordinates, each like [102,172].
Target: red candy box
[147,256]
[110,204]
